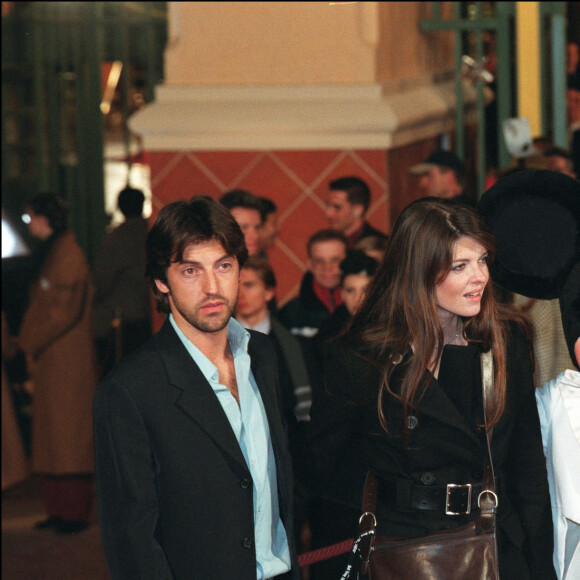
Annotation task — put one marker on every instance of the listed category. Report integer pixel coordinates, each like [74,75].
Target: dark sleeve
[336,419]
[526,465]
[127,499]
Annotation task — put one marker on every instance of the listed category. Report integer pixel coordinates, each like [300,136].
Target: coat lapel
[438,405]
[195,396]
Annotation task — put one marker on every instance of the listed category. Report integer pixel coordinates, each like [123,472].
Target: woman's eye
[458,268]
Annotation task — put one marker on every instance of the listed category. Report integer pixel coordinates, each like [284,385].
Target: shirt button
[427,478]
[245,483]
[248,543]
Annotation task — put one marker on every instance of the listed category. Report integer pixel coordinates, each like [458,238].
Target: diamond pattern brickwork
[296,181]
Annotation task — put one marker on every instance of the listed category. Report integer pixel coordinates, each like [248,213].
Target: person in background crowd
[247,211]
[334,512]
[257,289]
[15,463]
[406,378]
[122,304]
[348,202]
[320,287]
[57,336]
[194,476]
[269,229]
[560,160]
[442,174]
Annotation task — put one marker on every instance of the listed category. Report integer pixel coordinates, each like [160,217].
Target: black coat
[175,493]
[442,447]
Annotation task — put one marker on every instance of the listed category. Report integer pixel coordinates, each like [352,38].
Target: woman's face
[461,291]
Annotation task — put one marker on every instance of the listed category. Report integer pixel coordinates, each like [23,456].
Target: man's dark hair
[357,191]
[357,262]
[263,269]
[53,207]
[267,207]
[182,223]
[240,198]
[325,236]
[130,201]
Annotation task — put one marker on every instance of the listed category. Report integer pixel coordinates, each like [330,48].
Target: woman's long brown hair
[399,307]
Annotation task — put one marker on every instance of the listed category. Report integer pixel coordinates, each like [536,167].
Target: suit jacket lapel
[195,396]
[265,380]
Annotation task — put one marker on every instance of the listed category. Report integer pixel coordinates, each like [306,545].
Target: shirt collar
[265,325]
[238,338]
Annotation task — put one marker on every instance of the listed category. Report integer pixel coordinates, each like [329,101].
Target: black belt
[451,499]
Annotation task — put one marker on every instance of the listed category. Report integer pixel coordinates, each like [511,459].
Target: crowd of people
[225,452]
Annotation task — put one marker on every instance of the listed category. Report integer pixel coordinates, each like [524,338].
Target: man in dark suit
[193,469]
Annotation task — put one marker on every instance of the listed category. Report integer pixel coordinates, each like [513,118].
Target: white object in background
[559,408]
[518,137]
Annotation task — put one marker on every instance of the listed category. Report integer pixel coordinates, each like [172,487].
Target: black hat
[570,310]
[446,159]
[535,216]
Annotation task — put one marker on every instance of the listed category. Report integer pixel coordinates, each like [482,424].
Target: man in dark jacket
[193,470]
[320,288]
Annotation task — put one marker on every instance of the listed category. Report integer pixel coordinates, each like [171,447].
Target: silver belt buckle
[452,490]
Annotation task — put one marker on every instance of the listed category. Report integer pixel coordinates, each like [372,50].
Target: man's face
[253,297]
[437,182]
[340,213]
[38,225]
[202,288]
[560,164]
[324,262]
[250,222]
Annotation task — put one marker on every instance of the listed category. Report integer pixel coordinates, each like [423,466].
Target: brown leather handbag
[468,552]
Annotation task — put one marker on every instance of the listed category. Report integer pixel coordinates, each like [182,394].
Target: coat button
[248,543]
[427,478]
[412,422]
[245,483]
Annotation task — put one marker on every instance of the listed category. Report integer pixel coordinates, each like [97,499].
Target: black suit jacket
[442,447]
[175,495]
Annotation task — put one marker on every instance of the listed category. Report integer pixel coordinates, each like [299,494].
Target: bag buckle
[458,499]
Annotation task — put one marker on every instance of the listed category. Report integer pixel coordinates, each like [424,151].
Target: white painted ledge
[309,117]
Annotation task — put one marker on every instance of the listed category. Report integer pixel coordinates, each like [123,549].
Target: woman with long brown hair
[406,376]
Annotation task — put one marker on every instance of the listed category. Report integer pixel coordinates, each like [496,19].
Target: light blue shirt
[250,425]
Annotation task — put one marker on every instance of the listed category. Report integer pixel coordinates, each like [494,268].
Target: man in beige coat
[56,335]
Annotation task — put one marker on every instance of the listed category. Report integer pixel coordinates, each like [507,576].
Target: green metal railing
[52,125]
[469,22]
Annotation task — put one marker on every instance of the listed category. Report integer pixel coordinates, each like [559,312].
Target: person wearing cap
[442,174]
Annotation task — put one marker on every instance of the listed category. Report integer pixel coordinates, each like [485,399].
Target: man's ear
[270,293]
[161,286]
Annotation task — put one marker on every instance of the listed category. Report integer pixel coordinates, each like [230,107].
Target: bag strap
[487,500]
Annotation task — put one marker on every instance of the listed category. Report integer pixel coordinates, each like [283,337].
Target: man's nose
[210,282]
